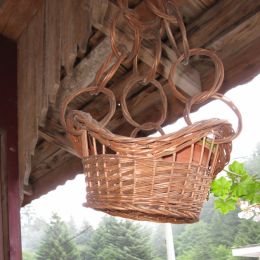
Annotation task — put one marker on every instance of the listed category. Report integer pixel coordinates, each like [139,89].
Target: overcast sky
[67,200]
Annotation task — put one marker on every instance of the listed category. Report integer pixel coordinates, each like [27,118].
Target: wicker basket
[161,179]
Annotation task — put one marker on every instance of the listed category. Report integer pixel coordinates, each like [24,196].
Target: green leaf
[221,187]
[237,171]
[225,205]
[238,168]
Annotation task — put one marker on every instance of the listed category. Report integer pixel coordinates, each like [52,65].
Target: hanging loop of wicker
[162,179]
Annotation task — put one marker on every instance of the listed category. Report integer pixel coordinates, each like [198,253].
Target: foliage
[118,240]
[33,229]
[238,185]
[57,243]
[213,237]
[28,255]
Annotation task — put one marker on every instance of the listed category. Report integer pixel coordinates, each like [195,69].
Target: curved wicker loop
[160,13]
[107,70]
[145,27]
[171,37]
[152,72]
[185,43]
[227,101]
[147,126]
[137,35]
[219,76]
[90,89]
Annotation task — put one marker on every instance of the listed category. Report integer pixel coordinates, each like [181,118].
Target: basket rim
[93,126]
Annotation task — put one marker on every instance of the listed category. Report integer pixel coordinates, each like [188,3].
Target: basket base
[142,216]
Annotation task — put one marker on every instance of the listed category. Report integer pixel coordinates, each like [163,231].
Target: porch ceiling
[61,46]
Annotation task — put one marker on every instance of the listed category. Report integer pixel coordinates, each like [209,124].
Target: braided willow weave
[162,179]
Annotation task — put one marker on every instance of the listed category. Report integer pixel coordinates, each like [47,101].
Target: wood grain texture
[15,15]
[56,35]
[219,20]
[30,79]
[52,49]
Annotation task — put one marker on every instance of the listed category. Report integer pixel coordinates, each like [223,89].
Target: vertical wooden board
[25,96]
[83,24]
[68,34]
[36,46]
[52,48]
[9,177]
[98,9]
[32,97]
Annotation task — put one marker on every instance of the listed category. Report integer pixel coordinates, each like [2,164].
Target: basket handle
[195,99]
[90,89]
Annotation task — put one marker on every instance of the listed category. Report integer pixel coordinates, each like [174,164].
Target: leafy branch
[236,187]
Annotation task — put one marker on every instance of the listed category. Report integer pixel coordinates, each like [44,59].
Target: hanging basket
[161,179]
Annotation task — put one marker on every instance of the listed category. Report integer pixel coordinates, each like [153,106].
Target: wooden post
[169,242]
[10,230]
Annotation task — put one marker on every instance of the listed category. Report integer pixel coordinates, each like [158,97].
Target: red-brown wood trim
[10,209]
[4,248]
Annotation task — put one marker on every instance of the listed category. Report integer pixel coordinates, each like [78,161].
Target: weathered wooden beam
[219,20]
[58,140]
[15,15]
[187,78]
[239,51]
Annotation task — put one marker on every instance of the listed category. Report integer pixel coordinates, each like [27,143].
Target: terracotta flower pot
[184,155]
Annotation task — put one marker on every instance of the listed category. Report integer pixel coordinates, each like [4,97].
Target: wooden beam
[238,50]
[15,15]
[219,20]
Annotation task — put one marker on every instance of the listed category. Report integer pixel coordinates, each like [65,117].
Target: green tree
[28,255]
[83,238]
[118,240]
[32,228]
[57,243]
[248,233]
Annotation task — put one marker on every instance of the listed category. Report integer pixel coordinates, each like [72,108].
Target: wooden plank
[52,49]
[58,140]
[194,8]
[76,29]
[186,77]
[238,51]
[31,90]
[15,15]
[221,18]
